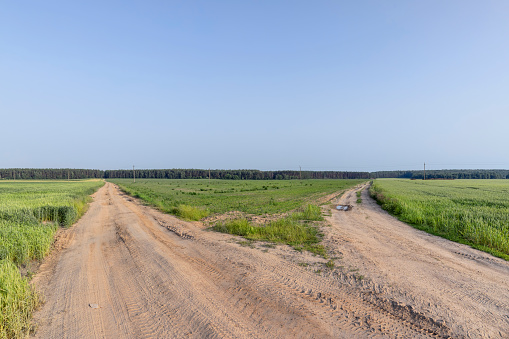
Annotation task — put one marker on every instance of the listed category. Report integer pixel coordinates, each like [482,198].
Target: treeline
[49,173]
[233,174]
[68,173]
[445,174]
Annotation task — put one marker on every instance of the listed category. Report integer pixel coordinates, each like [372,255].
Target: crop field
[474,212]
[196,199]
[30,214]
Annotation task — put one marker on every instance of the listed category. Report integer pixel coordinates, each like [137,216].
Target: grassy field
[220,196]
[474,212]
[30,214]
[294,202]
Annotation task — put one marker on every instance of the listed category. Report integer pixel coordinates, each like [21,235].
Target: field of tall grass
[30,214]
[474,212]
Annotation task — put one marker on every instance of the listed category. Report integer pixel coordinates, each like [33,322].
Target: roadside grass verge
[471,212]
[187,212]
[30,215]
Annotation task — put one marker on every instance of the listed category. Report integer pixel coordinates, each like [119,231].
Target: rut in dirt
[125,270]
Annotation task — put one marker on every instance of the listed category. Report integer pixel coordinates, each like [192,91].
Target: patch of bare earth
[127,270]
[257,219]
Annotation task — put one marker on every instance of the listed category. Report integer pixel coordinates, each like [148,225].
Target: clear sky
[327,85]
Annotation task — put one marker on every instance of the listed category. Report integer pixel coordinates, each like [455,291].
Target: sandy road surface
[152,275]
[465,289]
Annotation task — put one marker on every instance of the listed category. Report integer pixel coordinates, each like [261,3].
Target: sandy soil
[457,286]
[128,271]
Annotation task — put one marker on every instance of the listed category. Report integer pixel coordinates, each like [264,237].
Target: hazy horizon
[340,86]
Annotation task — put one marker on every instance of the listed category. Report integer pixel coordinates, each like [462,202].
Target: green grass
[39,201]
[187,212]
[22,242]
[220,196]
[17,300]
[285,231]
[195,199]
[310,212]
[473,212]
[30,214]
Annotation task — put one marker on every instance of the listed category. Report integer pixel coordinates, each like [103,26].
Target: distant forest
[235,174]
[49,173]
[444,174]
[67,173]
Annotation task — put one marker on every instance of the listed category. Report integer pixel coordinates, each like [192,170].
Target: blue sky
[327,85]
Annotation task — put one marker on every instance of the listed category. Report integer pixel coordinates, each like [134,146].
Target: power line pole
[424,171]
[300,173]
[134,175]
[68,175]
[209,176]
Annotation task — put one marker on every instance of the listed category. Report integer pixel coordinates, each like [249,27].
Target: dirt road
[465,289]
[128,271]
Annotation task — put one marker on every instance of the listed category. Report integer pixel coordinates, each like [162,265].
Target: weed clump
[190,212]
[310,212]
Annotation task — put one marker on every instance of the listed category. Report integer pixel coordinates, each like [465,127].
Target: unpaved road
[128,271]
[463,288]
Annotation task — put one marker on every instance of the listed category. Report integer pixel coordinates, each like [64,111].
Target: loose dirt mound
[151,275]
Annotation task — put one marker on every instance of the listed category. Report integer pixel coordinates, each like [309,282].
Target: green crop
[30,214]
[474,212]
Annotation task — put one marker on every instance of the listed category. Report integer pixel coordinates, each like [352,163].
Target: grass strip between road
[293,230]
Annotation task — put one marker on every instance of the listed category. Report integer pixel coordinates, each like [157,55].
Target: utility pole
[300,173]
[134,175]
[209,176]
[68,175]
[14,175]
[424,171]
